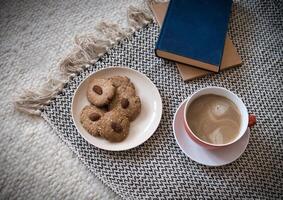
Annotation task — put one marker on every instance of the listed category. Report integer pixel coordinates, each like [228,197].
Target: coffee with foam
[214,119]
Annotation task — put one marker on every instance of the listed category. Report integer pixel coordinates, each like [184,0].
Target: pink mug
[247,120]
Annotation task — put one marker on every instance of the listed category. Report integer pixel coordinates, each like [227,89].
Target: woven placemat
[158,168]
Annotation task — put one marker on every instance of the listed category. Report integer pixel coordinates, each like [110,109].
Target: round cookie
[91,118]
[123,85]
[126,90]
[100,92]
[117,81]
[130,106]
[114,126]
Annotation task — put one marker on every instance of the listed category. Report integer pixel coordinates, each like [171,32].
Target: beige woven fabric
[34,35]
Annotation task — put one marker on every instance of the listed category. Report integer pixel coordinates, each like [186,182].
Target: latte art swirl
[214,119]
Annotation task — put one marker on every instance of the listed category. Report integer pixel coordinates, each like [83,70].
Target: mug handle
[252,120]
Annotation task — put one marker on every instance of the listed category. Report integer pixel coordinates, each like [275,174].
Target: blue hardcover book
[194,32]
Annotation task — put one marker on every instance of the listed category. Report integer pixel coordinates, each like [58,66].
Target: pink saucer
[204,156]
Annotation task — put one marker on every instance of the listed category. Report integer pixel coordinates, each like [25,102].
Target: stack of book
[194,34]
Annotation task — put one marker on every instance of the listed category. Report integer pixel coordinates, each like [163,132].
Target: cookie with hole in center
[91,118]
[115,127]
[100,92]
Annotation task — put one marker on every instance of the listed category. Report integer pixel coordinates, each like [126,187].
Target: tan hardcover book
[230,56]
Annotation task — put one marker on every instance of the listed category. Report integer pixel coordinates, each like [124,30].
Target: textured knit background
[34,35]
[158,168]
[36,165]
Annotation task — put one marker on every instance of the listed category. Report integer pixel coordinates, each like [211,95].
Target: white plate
[216,157]
[141,128]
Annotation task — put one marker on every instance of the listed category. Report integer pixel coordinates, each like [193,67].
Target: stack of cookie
[114,105]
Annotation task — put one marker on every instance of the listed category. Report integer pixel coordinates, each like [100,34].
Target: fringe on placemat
[88,49]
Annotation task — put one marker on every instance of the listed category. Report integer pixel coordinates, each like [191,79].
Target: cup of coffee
[215,117]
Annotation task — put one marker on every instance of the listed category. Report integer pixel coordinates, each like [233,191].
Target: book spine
[163,27]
